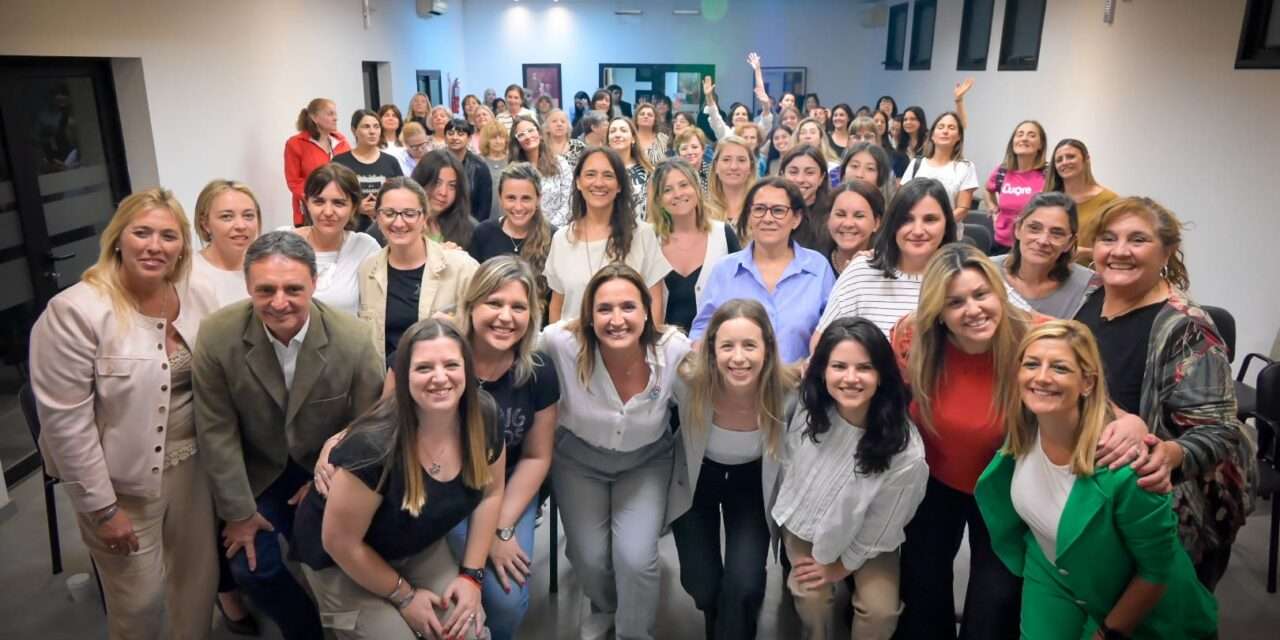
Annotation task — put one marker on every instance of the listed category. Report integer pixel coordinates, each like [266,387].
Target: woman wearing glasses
[792,282]
[1039,266]
[413,276]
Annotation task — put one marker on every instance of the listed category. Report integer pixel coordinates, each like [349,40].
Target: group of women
[807,357]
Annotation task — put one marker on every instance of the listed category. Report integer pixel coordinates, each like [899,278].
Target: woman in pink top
[1016,181]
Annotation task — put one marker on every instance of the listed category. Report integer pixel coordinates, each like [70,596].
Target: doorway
[62,172]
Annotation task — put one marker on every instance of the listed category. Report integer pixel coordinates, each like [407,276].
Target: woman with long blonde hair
[733,171]
[118,419]
[1105,556]
[735,396]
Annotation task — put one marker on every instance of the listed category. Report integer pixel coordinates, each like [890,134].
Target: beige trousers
[353,613]
[876,605]
[166,588]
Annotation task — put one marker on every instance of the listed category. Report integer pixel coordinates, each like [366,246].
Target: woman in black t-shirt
[499,315]
[420,461]
[371,165]
[522,229]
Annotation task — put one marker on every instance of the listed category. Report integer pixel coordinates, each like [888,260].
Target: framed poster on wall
[780,80]
[543,80]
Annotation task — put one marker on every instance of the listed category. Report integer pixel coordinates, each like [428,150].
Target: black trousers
[730,592]
[993,600]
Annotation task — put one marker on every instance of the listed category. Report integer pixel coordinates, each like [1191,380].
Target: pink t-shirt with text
[1018,189]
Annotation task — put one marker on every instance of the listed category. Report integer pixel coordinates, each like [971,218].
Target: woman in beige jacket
[110,368]
[413,276]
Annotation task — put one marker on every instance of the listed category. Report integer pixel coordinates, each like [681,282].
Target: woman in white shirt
[602,229]
[735,396]
[852,478]
[516,98]
[943,160]
[332,193]
[228,219]
[614,453]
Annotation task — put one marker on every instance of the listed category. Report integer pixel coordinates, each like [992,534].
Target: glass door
[62,171]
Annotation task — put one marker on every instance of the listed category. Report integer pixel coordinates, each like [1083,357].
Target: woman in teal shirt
[1100,557]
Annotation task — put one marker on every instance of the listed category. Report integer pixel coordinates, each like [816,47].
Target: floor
[35,604]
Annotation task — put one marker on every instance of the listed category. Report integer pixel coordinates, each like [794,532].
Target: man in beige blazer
[274,377]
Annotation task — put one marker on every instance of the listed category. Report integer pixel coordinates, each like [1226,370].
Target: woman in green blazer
[1100,557]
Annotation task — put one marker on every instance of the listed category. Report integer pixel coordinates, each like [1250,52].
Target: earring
[117,248]
[1164,272]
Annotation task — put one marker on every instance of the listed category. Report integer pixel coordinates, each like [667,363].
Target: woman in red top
[315,145]
[962,339]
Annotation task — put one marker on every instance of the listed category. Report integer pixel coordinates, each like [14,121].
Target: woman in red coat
[315,144]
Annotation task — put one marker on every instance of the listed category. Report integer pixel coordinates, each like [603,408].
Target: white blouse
[228,286]
[1039,493]
[595,413]
[337,272]
[847,515]
[730,447]
[571,264]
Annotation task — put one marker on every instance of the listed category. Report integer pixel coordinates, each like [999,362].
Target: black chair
[1267,418]
[982,218]
[978,236]
[1246,396]
[27,398]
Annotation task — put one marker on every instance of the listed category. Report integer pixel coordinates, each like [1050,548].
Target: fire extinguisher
[455,88]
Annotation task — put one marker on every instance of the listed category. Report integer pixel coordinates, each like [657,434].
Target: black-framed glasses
[778,211]
[409,215]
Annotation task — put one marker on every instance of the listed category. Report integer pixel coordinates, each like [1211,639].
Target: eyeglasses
[1056,235]
[777,211]
[409,215]
[421,146]
[526,134]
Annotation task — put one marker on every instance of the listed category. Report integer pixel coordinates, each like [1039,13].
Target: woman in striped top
[886,286]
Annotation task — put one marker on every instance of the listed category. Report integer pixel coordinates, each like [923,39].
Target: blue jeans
[503,611]
[271,586]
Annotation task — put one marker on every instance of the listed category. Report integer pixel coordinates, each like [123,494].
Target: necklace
[515,246]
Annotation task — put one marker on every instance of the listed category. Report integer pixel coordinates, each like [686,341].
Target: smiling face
[1051,378]
[733,166]
[603,103]
[617,314]
[1129,255]
[444,191]
[330,210]
[910,123]
[882,122]
[1027,140]
[971,311]
[150,246]
[851,222]
[398,230]
[852,381]
[1043,236]
[840,119]
[515,101]
[557,125]
[469,105]
[752,136]
[519,202]
[692,152]
[527,135]
[482,117]
[1069,161]
[437,375]
[921,233]
[790,118]
[863,166]
[679,195]
[389,121]
[233,222]
[501,320]
[781,140]
[766,229]
[280,289]
[740,353]
[621,137]
[456,139]
[809,134]
[806,175]
[598,182]
[740,115]
[946,131]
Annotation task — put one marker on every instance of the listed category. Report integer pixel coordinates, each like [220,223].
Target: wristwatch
[506,533]
[474,574]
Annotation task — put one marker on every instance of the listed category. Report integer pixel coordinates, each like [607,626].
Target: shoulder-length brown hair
[700,373]
[548,164]
[392,422]
[925,362]
[622,221]
[582,327]
[538,243]
[1167,227]
[346,181]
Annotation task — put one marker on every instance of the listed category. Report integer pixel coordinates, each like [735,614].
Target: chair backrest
[1269,393]
[981,218]
[1226,324]
[978,236]
[27,398]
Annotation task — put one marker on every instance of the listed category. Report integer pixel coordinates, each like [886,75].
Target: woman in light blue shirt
[793,283]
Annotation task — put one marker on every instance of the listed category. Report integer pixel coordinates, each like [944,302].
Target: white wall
[582,34]
[225,80]
[1165,114]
